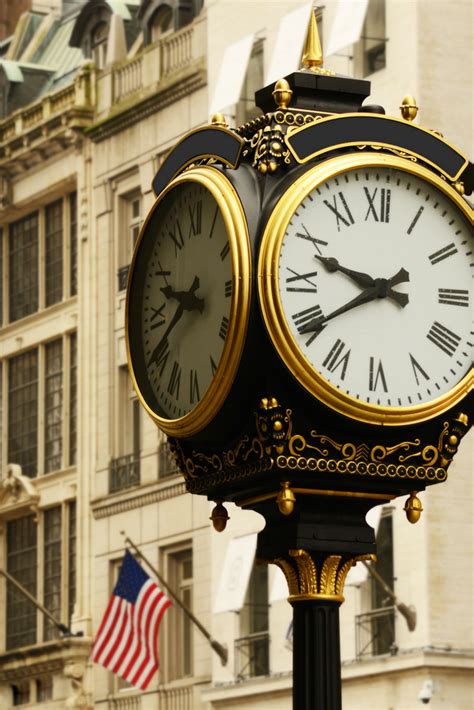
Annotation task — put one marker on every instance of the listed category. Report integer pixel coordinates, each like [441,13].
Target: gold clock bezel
[270,300]
[232,211]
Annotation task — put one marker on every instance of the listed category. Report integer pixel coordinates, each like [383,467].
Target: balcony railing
[124,472]
[252,657]
[375,632]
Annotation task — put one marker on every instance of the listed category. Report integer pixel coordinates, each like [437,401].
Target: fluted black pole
[316,655]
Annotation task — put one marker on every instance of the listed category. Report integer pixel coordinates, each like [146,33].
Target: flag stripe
[126,642]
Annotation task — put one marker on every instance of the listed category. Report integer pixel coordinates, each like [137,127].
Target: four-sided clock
[188,301]
[365,283]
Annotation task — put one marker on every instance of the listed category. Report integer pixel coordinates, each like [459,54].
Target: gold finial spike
[409,109]
[312,54]
[282,93]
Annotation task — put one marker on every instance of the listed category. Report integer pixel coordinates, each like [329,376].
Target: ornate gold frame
[272,309]
[229,203]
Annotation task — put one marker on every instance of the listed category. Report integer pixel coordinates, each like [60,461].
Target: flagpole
[65,630]
[408,612]
[215,645]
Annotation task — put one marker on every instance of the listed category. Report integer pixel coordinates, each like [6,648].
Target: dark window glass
[53,250]
[383,625]
[44,688]
[52,569]
[21,693]
[53,406]
[23,273]
[23,412]
[73,243]
[21,564]
[73,401]
[1,277]
[72,560]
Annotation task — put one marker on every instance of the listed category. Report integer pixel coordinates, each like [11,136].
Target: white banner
[347,25]
[358,574]
[235,575]
[231,74]
[289,43]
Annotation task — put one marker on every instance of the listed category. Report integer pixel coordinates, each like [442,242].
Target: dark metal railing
[252,655]
[375,632]
[124,472]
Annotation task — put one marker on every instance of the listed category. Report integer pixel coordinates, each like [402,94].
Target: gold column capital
[315,576]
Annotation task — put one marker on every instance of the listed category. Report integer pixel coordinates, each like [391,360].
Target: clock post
[298,324]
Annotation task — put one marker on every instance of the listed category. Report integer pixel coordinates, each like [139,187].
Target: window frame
[176,623]
[69,260]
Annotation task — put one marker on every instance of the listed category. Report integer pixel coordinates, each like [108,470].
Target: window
[252,648]
[99,38]
[125,469]
[246,109]
[21,564]
[39,423]
[131,211]
[23,265]
[21,693]
[52,582]
[371,55]
[161,22]
[166,463]
[375,629]
[44,688]
[47,237]
[179,656]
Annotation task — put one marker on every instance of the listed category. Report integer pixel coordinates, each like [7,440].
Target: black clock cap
[318,92]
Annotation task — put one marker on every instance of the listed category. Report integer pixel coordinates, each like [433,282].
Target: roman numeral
[228,289]
[417,369]
[443,253]
[157,313]
[335,358]
[161,357]
[177,236]
[314,241]
[163,273]
[224,328]
[195,216]
[302,318]
[211,231]
[444,338]
[175,380]
[383,213]
[376,375]
[303,278]
[415,220]
[225,251]
[453,296]
[193,387]
[213,365]
[346,218]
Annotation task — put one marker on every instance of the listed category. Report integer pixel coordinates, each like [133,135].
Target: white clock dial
[187,301]
[374,274]
[187,298]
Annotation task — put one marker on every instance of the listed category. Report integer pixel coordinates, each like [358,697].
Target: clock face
[370,297]
[182,301]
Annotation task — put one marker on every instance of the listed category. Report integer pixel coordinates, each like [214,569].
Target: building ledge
[131,498]
[252,687]
[410,659]
[48,657]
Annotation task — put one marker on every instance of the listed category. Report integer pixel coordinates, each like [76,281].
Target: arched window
[161,22]
[99,35]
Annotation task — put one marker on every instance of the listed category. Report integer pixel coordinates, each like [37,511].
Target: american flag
[126,642]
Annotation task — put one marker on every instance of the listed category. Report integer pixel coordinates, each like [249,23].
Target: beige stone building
[92,95]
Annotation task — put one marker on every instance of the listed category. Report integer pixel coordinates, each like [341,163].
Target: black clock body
[280,425]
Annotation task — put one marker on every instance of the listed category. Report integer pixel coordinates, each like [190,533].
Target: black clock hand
[332,265]
[380,289]
[369,294]
[384,285]
[163,342]
[187,299]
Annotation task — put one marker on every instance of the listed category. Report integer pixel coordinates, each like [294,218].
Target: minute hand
[369,294]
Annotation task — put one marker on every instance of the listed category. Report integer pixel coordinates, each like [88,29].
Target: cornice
[132,499]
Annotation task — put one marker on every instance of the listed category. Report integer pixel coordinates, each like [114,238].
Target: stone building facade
[92,95]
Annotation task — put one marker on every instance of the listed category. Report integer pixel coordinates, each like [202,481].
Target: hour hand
[332,264]
[187,299]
